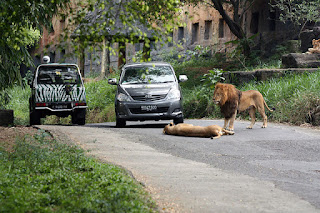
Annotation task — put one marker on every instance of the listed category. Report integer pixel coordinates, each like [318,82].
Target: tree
[102,22]
[298,12]
[233,20]
[20,25]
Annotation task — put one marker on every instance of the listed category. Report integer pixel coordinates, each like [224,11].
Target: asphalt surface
[276,169]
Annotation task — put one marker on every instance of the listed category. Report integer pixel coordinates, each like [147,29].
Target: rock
[6,117]
[301,60]
[306,39]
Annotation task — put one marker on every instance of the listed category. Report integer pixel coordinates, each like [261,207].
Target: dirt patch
[9,135]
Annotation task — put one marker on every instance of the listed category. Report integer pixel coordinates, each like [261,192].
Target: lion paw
[249,127]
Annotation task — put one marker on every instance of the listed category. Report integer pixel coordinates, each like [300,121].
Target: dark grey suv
[148,91]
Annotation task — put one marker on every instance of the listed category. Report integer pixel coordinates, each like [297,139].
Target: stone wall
[241,77]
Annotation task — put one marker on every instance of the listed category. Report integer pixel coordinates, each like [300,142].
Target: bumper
[135,111]
[60,110]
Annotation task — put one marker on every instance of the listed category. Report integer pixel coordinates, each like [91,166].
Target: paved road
[260,170]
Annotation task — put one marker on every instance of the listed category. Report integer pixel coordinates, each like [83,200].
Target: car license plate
[60,106]
[149,108]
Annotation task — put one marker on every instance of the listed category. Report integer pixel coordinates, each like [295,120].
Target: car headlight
[123,97]
[173,94]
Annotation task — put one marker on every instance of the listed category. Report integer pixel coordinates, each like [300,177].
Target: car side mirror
[112,81]
[183,78]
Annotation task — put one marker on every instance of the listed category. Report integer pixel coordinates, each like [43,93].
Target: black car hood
[152,89]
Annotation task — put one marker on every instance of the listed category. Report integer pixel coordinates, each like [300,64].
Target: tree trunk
[233,24]
[82,60]
[122,54]
[146,52]
[103,59]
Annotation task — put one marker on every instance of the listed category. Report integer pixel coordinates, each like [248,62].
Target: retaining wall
[241,77]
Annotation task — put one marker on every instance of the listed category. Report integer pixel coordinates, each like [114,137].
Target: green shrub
[197,103]
[42,175]
[19,102]
[100,100]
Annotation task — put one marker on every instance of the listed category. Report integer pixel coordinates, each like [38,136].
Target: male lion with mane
[232,100]
[212,131]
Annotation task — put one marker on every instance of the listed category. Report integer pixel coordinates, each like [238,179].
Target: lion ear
[171,124]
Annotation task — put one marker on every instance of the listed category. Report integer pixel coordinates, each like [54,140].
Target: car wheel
[178,120]
[120,122]
[34,118]
[79,117]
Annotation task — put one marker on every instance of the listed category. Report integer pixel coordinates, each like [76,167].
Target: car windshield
[148,75]
[58,75]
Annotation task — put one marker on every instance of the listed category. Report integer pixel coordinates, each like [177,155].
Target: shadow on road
[129,126]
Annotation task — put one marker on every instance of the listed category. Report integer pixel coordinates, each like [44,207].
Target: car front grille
[158,110]
[149,98]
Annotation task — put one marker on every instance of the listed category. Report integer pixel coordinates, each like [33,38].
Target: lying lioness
[213,131]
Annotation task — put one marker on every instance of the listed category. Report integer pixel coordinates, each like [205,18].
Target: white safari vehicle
[57,89]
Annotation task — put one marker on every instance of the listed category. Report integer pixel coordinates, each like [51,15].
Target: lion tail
[271,110]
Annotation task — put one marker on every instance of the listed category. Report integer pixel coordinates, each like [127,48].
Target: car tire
[178,120]
[120,123]
[79,117]
[34,118]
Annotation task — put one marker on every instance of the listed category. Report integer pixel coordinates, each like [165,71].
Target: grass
[293,96]
[43,175]
[19,101]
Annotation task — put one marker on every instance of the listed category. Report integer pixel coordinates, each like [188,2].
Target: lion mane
[231,101]
[230,97]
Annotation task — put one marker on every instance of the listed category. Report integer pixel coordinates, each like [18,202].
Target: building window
[272,21]
[180,34]
[195,32]
[207,29]
[254,25]
[221,28]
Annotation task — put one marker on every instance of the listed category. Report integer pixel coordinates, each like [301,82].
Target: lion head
[168,128]
[223,93]
[227,97]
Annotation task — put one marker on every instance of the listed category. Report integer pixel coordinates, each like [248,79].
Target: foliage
[298,12]
[100,100]
[293,96]
[197,102]
[237,53]
[18,100]
[210,79]
[20,23]
[123,21]
[42,175]
[199,52]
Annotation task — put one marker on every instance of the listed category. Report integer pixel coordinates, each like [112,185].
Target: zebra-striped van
[57,89]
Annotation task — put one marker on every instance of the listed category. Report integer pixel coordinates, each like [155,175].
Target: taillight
[81,104]
[41,104]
